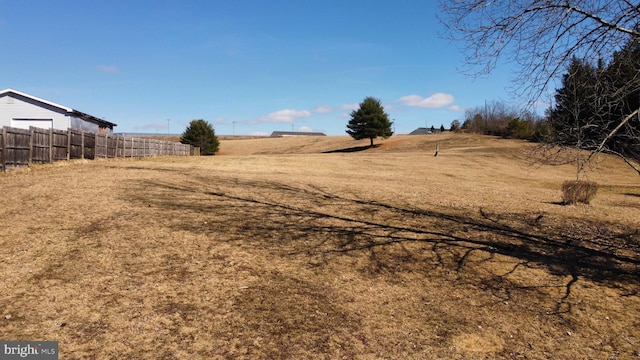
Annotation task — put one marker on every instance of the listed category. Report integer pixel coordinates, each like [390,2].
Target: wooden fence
[21,147]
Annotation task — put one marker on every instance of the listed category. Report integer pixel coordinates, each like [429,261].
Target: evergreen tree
[622,80]
[201,134]
[542,37]
[597,106]
[369,121]
[573,117]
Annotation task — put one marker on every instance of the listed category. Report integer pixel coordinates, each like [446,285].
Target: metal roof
[69,110]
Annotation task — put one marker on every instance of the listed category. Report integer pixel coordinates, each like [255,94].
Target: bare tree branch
[539,35]
[543,37]
[601,147]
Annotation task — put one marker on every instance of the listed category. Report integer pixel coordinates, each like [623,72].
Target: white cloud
[353,106]
[285,116]
[323,109]
[456,108]
[219,120]
[437,100]
[108,69]
[305,129]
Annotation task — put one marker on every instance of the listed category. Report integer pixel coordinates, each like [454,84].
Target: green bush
[578,191]
[519,129]
[201,134]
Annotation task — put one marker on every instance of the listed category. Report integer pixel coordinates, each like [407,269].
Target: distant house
[20,110]
[296,133]
[425,131]
[420,131]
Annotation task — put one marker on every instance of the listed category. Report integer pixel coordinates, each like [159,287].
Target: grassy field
[285,248]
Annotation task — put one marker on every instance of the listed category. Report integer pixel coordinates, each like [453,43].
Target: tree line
[591,46]
[595,109]
[499,118]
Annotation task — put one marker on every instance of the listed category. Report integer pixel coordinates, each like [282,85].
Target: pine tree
[369,121]
[622,81]
[594,101]
[573,117]
[201,134]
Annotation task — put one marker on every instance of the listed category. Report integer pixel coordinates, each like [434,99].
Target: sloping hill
[345,144]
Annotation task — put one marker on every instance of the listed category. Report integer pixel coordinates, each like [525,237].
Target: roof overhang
[93,119]
[70,111]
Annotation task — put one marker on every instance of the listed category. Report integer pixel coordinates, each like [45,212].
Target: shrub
[518,129]
[201,134]
[578,191]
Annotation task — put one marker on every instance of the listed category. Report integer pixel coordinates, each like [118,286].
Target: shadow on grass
[309,222]
[352,149]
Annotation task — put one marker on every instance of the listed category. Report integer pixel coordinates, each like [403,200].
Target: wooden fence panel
[89,145]
[141,148]
[126,147]
[19,147]
[101,146]
[144,146]
[132,147]
[76,150]
[59,145]
[112,143]
[16,147]
[40,144]
[120,146]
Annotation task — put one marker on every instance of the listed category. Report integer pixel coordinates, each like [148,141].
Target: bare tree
[492,118]
[539,35]
[542,37]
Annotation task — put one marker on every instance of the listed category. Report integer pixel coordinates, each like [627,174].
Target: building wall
[80,124]
[17,111]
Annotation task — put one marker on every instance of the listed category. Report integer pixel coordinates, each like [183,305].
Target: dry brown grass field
[304,248]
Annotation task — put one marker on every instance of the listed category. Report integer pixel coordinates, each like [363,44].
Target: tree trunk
[371,142]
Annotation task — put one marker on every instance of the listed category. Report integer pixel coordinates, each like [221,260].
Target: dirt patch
[479,343]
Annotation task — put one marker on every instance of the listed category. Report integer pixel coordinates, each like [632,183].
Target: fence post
[95,146]
[82,144]
[51,144]
[31,131]
[3,158]
[68,144]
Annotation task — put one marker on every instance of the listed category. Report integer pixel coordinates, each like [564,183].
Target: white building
[20,110]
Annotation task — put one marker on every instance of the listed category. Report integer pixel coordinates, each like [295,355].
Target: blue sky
[246,66]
